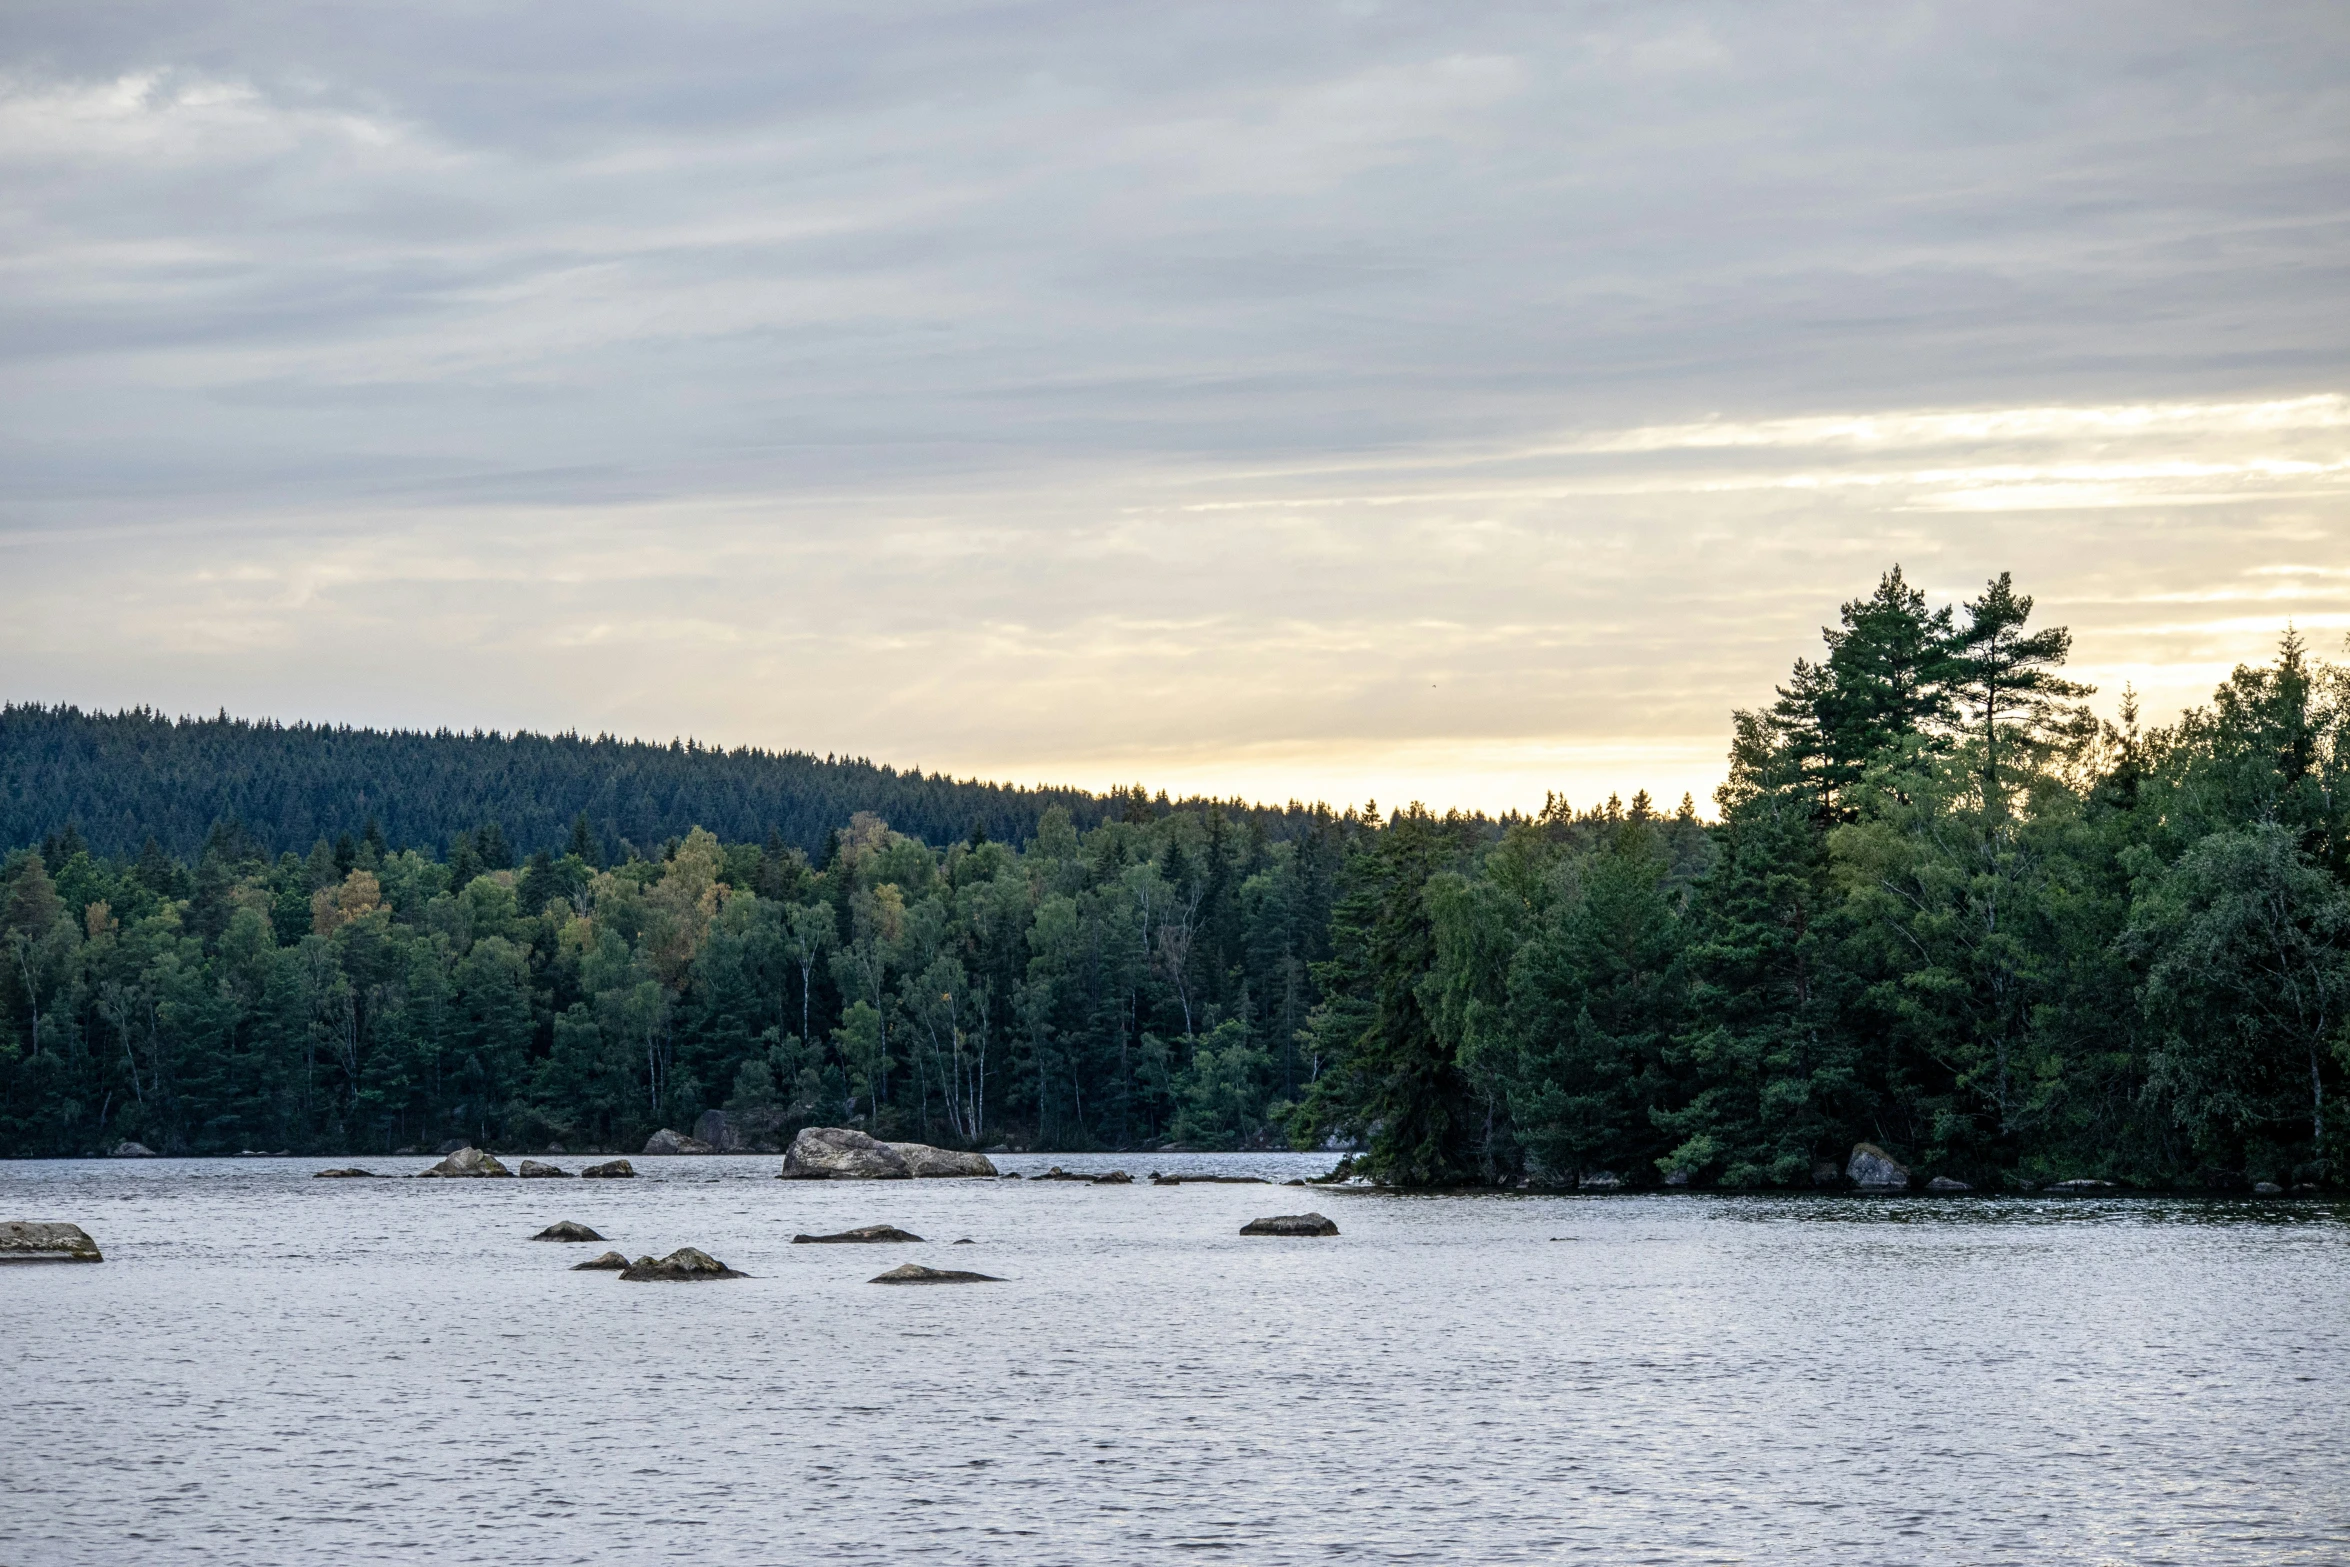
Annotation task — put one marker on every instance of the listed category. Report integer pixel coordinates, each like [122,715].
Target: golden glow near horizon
[1468,629]
[1334,402]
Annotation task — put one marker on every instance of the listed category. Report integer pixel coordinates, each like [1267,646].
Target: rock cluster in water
[1290,1224]
[1107,1178]
[686,1265]
[842,1153]
[39,1241]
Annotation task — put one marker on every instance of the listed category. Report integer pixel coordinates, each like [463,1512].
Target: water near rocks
[269,1368]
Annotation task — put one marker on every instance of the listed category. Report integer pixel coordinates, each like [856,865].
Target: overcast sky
[1448,401]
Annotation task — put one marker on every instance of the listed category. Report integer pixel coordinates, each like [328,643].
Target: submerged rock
[1290,1224]
[867,1235]
[1107,1178]
[610,1262]
[33,1240]
[126,1149]
[565,1230]
[924,1162]
[1599,1181]
[532,1170]
[1943,1183]
[667,1141]
[467,1162]
[2080,1187]
[841,1153]
[1872,1169]
[915,1273]
[1211,1180]
[347,1173]
[686,1265]
[609,1170]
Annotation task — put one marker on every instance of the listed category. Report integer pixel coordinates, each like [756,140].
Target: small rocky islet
[686,1265]
[1294,1224]
[841,1153]
[915,1273]
[870,1234]
[38,1240]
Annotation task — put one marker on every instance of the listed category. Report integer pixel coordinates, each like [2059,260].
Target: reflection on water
[271,1369]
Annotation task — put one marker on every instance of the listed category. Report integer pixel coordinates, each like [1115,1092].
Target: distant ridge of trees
[123,778]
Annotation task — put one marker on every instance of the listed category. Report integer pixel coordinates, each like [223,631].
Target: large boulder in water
[868,1235]
[915,1273]
[566,1230]
[666,1141]
[609,1170]
[532,1170]
[1290,1224]
[609,1262]
[686,1265]
[467,1162]
[31,1238]
[841,1153]
[1872,1169]
[925,1162]
[127,1149]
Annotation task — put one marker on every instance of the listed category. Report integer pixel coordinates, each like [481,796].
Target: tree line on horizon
[138,775]
[1943,909]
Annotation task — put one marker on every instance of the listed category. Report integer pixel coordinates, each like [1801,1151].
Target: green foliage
[1087,992]
[1940,911]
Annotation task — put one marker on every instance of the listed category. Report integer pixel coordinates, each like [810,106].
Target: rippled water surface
[275,1369]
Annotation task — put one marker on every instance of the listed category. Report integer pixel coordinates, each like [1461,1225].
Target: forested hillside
[1942,910]
[123,778]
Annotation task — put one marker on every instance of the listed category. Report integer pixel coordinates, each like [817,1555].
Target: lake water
[274,1369]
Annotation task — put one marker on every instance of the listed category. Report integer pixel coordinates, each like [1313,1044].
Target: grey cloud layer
[953,375]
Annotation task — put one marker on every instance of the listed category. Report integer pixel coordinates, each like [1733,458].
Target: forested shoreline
[1942,909]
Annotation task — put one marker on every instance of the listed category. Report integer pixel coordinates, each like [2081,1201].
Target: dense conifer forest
[1941,909]
[138,775]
